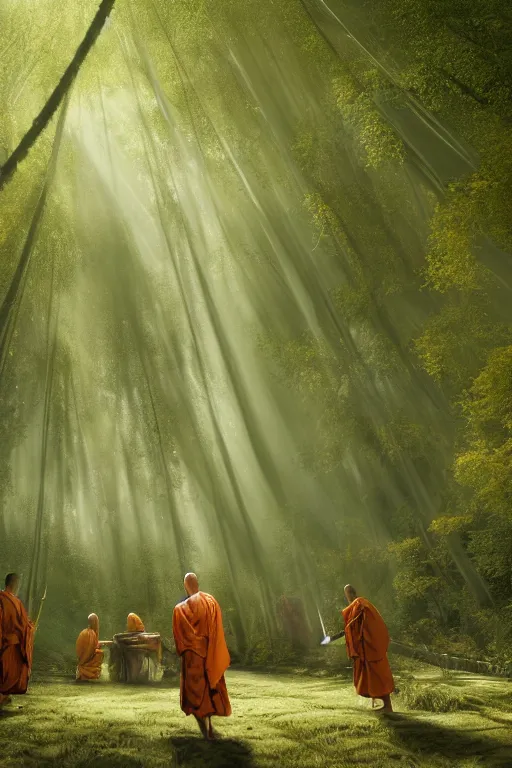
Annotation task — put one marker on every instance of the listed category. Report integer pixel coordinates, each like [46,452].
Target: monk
[367,640]
[134,623]
[200,642]
[88,651]
[16,641]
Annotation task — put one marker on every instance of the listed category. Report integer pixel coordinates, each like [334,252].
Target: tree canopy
[255,318]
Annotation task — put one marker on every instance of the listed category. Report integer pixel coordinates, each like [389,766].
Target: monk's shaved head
[93,621]
[191,584]
[350,592]
[12,581]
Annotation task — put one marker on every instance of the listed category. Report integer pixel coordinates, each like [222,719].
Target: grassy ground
[283,721]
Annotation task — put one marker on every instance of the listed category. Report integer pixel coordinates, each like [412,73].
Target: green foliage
[451,260]
[457,340]
[485,466]
[444,526]
[488,404]
[374,135]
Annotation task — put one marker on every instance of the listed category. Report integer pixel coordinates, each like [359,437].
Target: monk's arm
[184,635]
[356,617]
[176,633]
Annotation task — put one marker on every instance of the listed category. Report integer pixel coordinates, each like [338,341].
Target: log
[444,661]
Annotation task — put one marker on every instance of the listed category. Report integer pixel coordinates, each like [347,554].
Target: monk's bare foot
[4,700]
[386,706]
[212,734]
[202,726]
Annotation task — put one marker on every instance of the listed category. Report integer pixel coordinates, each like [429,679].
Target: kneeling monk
[16,641]
[367,645]
[199,638]
[88,651]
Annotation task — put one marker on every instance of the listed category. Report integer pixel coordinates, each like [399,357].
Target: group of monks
[200,643]
[89,651]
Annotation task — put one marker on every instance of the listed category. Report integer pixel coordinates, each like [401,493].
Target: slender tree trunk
[53,103]
[11,301]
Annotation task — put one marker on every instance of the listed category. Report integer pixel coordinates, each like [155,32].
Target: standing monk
[367,645]
[16,641]
[199,638]
[88,651]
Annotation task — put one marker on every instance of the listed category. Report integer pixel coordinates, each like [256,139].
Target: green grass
[283,721]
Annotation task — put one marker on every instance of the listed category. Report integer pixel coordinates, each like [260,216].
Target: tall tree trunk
[11,302]
[53,103]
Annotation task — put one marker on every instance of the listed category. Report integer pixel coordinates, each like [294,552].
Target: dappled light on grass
[288,720]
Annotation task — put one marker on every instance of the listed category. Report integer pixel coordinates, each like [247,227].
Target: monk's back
[375,631]
[367,642]
[197,609]
[12,610]
[86,643]
[200,642]
[16,643]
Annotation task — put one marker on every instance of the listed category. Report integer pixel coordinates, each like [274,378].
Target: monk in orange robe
[16,641]
[134,623]
[88,651]
[200,642]
[367,640]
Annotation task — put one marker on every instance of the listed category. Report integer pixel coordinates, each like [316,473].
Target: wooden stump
[135,658]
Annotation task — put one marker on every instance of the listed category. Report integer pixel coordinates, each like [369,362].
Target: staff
[36,622]
[328,639]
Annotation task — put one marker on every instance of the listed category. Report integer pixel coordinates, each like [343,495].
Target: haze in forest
[256,315]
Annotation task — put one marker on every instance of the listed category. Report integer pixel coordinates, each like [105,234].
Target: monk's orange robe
[89,654]
[367,645]
[134,624]
[16,645]
[199,638]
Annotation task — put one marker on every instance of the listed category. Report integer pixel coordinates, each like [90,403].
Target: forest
[256,318]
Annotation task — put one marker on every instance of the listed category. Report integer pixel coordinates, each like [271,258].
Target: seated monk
[367,640]
[134,624]
[16,641]
[199,638]
[88,651]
